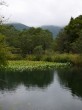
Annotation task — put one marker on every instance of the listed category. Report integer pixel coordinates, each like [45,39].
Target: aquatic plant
[33,65]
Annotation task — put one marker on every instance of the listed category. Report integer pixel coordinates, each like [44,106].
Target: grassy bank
[74,59]
[33,65]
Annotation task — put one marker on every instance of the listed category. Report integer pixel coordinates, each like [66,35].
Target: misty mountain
[19,26]
[53,29]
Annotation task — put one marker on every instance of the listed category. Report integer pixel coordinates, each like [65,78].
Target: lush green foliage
[35,44]
[70,38]
[74,59]
[26,41]
[2,51]
[33,65]
[30,39]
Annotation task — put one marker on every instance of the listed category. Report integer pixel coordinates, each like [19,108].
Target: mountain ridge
[19,26]
[52,28]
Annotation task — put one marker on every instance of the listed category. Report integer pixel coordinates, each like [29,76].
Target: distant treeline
[37,41]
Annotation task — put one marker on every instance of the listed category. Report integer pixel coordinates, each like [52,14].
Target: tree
[2,51]
[25,44]
[2,42]
[43,38]
[38,50]
[77,45]
[32,38]
[70,36]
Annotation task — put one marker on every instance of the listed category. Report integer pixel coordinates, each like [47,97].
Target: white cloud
[42,12]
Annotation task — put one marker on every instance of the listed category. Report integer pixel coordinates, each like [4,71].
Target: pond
[41,90]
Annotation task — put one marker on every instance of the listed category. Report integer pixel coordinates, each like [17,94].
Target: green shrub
[76,60]
[38,50]
[3,52]
[63,58]
[47,58]
[14,56]
[31,57]
[3,58]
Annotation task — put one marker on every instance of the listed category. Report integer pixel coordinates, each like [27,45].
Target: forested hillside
[53,29]
[18,26]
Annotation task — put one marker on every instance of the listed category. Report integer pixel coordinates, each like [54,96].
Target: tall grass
[74,59]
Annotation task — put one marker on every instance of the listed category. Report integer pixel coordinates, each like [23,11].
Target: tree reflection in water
[10,80]
[71,79]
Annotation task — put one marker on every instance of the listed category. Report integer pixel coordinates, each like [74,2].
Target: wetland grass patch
[33,65]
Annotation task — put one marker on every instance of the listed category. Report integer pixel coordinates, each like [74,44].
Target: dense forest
[18,44]
[69,39]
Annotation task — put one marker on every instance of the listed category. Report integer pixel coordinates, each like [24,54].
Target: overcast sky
[42,12]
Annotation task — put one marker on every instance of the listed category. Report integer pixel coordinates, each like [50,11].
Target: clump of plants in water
[33,65]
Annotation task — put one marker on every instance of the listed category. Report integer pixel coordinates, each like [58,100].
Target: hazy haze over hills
[53,29]
[19,26]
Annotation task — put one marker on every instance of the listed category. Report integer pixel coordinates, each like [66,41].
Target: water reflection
[25,90]
[71,79]
[11,80]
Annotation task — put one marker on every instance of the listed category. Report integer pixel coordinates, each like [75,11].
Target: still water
[41,90]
